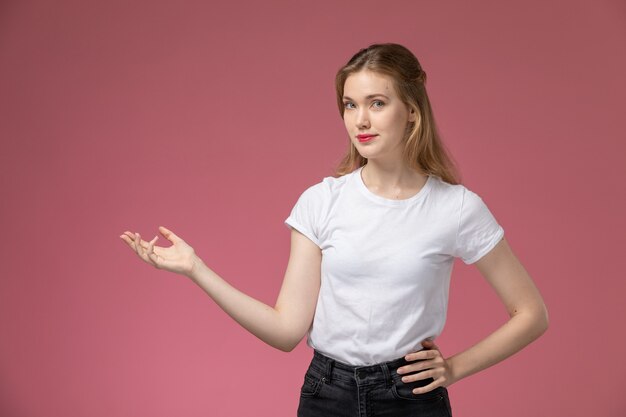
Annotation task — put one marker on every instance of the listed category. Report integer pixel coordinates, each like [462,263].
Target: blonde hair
[423,149]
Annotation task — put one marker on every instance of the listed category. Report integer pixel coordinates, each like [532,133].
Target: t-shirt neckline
[387,201]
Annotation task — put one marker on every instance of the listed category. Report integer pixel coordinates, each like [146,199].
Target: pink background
[211,119]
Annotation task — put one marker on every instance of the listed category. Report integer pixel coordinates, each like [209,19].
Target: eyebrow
[368,97]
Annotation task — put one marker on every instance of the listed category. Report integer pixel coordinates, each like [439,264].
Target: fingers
[425,359]
[153,256]
[429,344]
[168,234]
[423,354]
[421,365]
[138,247]
[132,239]
[430,364]
[421,390]
[142,252]
[436,372]
[125,237]
[424,374]
[129,238]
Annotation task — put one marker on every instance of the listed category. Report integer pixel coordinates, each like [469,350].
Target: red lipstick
[365,137]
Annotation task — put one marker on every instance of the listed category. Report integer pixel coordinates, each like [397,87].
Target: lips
[365,137]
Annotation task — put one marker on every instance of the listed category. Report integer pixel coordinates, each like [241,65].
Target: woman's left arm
[528,320]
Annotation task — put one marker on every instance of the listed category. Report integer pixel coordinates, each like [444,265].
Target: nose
[362,120]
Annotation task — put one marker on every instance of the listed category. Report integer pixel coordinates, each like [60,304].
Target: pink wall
[212,119]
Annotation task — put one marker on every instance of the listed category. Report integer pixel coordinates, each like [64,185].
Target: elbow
[287,349]
[540,320]
[290,337]
[289,333]
[287,346]
[536,318]
[544,320]
[287,341]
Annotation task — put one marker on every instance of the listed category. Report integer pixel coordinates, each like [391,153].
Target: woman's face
[372,107]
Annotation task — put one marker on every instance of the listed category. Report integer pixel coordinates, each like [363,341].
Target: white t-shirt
[386,264]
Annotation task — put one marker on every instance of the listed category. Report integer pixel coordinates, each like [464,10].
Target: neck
[392,179]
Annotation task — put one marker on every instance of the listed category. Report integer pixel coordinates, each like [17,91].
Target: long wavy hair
[423,149]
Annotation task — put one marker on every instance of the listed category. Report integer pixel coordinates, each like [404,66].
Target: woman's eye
[381,103]
[347,104]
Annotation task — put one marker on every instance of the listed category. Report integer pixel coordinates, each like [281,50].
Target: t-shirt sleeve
[478,230]
[304,214]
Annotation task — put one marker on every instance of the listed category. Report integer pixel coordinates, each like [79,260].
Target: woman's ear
[412,115]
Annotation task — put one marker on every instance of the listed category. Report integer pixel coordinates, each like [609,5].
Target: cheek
[385,123]
[399,118]
[348,122]
[398,123]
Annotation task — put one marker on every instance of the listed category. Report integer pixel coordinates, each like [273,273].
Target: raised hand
[179,258]
[431,364]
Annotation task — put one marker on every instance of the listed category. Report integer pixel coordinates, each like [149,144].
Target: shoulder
[457,192]
[446,193]
[456,200]
[327,188]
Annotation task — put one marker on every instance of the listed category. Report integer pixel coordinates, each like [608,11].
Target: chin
[367,156]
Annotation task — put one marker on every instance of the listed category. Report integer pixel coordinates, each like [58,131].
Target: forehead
[363,83]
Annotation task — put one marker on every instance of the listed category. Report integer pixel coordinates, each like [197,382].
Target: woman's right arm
[281,326]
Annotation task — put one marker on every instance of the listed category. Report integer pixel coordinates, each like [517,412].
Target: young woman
[372,250]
